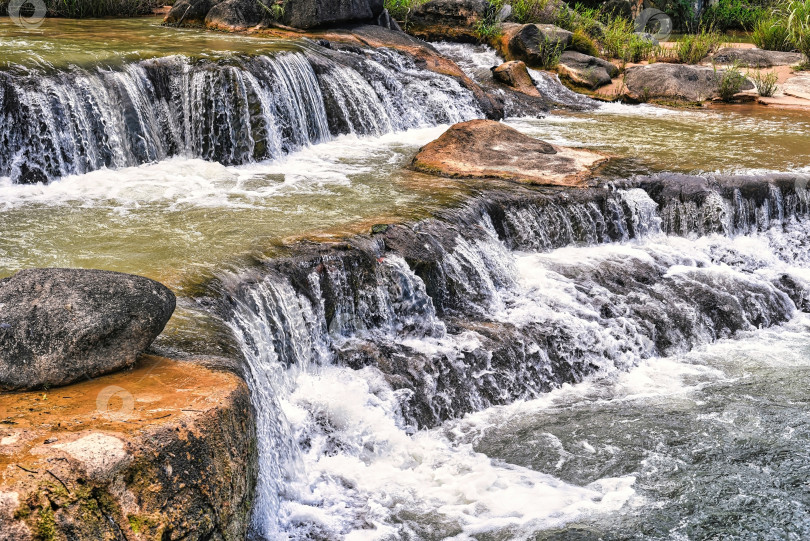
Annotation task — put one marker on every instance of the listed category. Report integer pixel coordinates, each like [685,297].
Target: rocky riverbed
[110,429]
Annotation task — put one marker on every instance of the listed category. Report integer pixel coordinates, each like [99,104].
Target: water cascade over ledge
[505,299]
[233,110]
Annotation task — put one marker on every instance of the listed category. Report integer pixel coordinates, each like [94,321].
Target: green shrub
[550,52]
[400,9]
[535,11]
[583,43]
[733,15]
[771,33]
[581,18]
[693,48]
[797,16]
[765,83]
[82,9]
[731,81]
[487,29]
[682,13]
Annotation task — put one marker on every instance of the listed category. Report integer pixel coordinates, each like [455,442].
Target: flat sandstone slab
[488,149]
[163,451]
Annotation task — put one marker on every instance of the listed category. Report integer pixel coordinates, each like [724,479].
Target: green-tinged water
[722,139]
[61,43]
[182,220]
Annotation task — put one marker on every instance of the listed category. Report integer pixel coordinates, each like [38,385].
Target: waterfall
[236,110]
[504,299]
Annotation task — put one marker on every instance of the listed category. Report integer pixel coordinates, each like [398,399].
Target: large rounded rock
[674,82]
[533,43]
[316,13]
[58,326]
[586,70]
[488,149]
[235,15]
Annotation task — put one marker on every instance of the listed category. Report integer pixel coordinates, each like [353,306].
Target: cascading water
[477,61]
[362,349]
[236,110]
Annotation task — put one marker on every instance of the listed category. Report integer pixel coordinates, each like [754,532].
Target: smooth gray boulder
[674,82]
[754,58]
[58,326]
[586,70]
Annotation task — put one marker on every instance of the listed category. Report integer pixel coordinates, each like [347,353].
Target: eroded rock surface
[58,326]
[165,451]
[586,70]
[487,149]
[515,75]
[755,58]
[674,82]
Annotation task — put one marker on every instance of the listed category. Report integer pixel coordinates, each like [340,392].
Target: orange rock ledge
[166,450]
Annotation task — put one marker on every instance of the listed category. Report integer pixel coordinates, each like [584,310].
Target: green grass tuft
[693,48]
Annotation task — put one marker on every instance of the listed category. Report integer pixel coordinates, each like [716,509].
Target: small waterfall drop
[359,350]
[234,111]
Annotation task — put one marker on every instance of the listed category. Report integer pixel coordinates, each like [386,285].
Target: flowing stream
[626,361]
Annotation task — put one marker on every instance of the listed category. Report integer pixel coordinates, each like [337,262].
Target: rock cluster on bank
[164,450]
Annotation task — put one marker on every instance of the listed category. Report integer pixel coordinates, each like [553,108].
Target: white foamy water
[178,183]
[383,474]
[365,474]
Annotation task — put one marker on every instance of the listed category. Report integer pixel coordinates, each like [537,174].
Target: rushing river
[566,370]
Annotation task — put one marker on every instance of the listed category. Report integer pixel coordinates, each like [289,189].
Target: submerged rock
[586,70]
[58,326]
[515,75]
[165,451]
[674,82]
[755,58]
[487,149]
